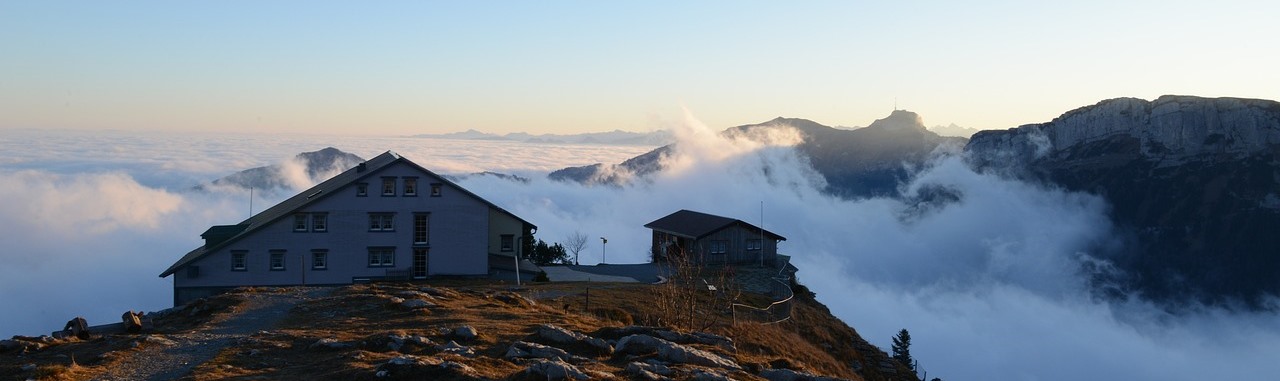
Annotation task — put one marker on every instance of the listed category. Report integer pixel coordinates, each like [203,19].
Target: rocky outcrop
[1171,127]
[672,352]
[1193,185]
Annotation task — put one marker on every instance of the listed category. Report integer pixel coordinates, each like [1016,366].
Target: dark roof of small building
[318,192]
[696,225]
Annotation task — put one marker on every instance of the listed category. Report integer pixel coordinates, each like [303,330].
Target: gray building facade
[708,238]
[387,218]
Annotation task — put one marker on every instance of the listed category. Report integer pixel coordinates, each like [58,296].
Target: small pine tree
[902,349]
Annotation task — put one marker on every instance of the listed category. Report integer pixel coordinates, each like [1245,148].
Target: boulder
[791,375]
[132,321]
[465,333]
[554,369]
[636,367]
[556,334]
[412,367]
[329,344]
[416,304]
[522,349]
[672,352]
[454,348]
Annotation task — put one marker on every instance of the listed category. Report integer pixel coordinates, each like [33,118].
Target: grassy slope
[813,340]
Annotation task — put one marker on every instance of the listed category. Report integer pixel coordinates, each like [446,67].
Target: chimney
[360,167]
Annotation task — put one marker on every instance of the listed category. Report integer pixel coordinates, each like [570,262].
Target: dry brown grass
[813,341]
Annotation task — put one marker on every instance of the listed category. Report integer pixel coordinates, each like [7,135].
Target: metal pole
[517,259]
[603,257]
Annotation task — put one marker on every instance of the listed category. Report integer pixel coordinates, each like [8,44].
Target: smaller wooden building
[710,238]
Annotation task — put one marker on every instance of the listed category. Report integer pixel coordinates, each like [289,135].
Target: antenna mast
[250,202]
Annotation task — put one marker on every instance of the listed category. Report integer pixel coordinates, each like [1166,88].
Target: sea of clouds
[992,285]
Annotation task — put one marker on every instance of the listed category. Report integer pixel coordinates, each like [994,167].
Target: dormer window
[388,186]
[435,189]
[411,186]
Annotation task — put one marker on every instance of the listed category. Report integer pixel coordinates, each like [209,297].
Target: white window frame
[320,222]
[507,243]
[276,262]
[388,186]
[300,221]
[319,259]
[424,226]
[410,186]
[242,257]
[382,257]
[382,222]
[719,246]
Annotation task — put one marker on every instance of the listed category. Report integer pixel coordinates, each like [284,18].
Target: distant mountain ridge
[615,137]
[862,162]
[1194,182]
[316,166]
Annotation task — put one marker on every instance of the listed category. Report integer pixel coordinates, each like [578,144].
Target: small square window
[388,186]
[319,222]
[300,222]
[719,247]
[238,259]
[362,189]
[435,189]
[382,257]
[382,222]
[319,259]
[410,186]
[277,260]
[508,242]
[753,244]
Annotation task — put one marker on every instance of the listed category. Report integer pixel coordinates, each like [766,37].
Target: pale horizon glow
[572,67]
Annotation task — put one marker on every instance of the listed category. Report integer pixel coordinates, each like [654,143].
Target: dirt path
[162,361]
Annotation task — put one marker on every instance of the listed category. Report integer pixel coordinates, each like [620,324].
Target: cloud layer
[987,273]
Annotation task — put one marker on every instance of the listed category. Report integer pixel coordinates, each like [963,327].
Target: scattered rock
[639,368]
[672,352]
[672,336]
[454,348]
[439,293]
[554,369]
[411,367]
[410,294]
[465,333]
[29,367]
[710,375]
[526,350]
[791,375]
[330,344]
[9,345]
[396,300]
[416,304]
[555,334]
[515,299]
[158,340]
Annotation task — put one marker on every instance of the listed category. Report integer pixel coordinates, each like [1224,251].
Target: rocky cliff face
[1169,128]
[1194,185]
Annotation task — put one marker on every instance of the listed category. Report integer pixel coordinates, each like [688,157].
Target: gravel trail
[161,360]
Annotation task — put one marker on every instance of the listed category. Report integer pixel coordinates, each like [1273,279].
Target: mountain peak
[900,119]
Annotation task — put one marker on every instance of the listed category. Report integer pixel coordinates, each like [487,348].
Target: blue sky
[422,67]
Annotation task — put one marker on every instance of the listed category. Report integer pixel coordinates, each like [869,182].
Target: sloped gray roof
[696,225]
[318,192]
